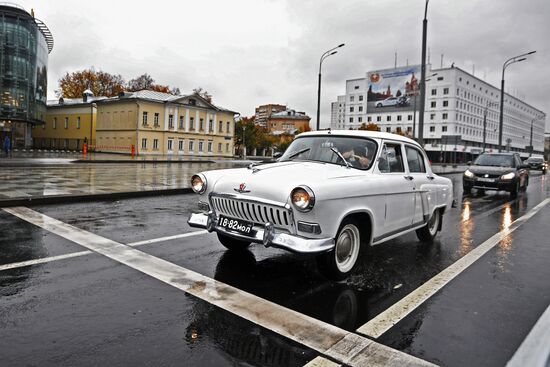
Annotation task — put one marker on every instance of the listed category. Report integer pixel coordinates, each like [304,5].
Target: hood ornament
[241,188]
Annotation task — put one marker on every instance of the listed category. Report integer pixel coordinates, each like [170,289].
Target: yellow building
[69,124]
[161,123]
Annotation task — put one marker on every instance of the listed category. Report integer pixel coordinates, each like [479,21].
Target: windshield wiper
[348,165]
[296,154]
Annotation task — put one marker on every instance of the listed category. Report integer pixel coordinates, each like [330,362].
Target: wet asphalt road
[90,310]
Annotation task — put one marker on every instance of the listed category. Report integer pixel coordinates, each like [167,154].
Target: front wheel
[232,244]
[514,191]
[341,260]
[428,232]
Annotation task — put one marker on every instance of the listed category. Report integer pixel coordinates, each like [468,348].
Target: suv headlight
[508,176]
[468,173]
[302,198]
[198,183]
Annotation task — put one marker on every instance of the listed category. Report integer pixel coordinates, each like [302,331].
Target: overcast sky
[252,52]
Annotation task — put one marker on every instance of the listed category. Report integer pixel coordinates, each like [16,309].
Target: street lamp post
[507,63]
[92,106]
[323,57]
[244,146]
[423,78]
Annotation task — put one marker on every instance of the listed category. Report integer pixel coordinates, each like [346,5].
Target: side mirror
[277,155]
[469,163]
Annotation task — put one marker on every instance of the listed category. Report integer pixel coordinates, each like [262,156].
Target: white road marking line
[324,338]
[392,315]
[321,362]
[48,259]
[167,238]
[43,260]
[534,351]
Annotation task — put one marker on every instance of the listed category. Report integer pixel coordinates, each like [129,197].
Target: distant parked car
[403,101]
[497,171]
[330,194]
[391,101]
[537,163]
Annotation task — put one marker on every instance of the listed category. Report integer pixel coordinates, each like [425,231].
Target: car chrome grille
[252,211]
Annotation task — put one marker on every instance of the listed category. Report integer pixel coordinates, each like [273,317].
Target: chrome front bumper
[268,235]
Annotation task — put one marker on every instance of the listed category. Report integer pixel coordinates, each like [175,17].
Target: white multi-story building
[337,113]
[456,103]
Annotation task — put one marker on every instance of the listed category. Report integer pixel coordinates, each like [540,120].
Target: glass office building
[25,43]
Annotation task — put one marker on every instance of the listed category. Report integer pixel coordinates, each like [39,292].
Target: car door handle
[410,178]
[431,178]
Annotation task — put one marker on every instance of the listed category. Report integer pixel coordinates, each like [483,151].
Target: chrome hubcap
[347,248]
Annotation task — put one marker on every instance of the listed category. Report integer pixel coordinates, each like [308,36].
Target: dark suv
[537,163]
[497,171]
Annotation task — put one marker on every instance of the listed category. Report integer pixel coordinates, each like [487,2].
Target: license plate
[483,179]
[236,225]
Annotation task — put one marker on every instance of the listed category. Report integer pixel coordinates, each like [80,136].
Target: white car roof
[361,133]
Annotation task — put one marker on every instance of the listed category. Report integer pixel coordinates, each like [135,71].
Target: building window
[368,119]
[180,145]
[201,145]
[219,147]
[144,143]
[351,109]
[191,123]
[398,117]
[181,122]
[360,108]
[144,119]
[170,121]
[432,104]
[78,122]
[155,144]
[156,120]
[378,118]
[227,147]
[445,103]
[445,116]
[351,119]
[54,123]
[432,129]
[444,129]
[360,98]
[228,126]
[209,147]
[432,116]
[388,129]
[445,90]
[170,144]
[434,92]
[351,98]
[201,126]
[191,145]
[356,87]
[66,122]
[360,119]
[388,118]
[220,126]
[211,126]
[439,78]
[409,117]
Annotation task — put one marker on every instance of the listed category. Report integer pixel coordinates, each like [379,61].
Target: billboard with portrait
[393,89]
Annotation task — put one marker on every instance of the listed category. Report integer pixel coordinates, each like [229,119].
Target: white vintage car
[329,194]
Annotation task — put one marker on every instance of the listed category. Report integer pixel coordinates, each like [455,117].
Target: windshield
[497,160]
[354,152]
[534,160]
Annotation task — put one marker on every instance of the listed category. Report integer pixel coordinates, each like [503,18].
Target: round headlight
[198,183]
[302,198]
[508,176]
[468,173]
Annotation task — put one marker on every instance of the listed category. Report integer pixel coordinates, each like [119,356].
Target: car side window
[391,159]
[415,160]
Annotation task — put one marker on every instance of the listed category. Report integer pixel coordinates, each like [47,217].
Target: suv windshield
[534,160]
[498,160]
[350,151]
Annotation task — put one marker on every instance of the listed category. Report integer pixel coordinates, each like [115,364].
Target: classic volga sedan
[330,194]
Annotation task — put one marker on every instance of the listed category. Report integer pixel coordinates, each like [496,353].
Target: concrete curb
[62,199]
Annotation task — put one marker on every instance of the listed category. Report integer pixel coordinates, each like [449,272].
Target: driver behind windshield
[358,155]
